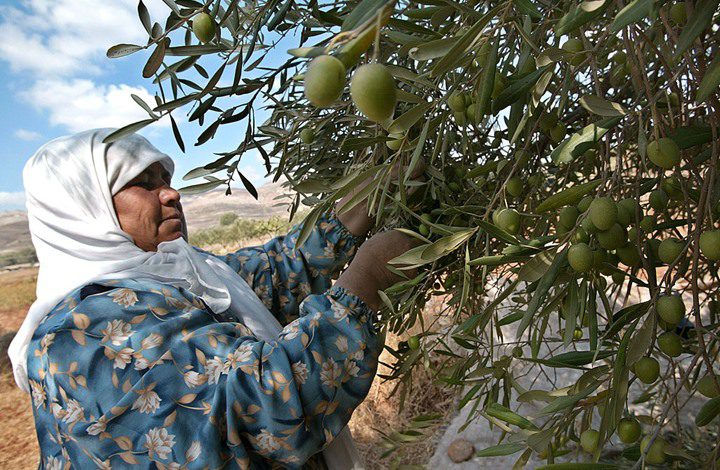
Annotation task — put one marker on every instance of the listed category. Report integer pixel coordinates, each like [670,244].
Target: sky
[56,80]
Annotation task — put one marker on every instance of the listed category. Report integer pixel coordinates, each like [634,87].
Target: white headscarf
[69,185]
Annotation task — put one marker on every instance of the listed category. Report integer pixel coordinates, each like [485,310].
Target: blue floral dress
[141,374]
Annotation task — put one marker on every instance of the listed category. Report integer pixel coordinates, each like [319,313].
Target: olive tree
[571,153]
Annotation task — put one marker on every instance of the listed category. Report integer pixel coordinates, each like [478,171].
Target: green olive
[670,308]
[203,27]
[629,430]
[669,250]
[678,13]
[656,452]
[509,221]
[373,90]
[456,101]
[307,135]
[514,187]
[603,213]
[707,386]
[710,244]
[613,238]
[664,152]
[574,48]
[647,369]
[324,80]
[590,440]
[670,344]
[580,257]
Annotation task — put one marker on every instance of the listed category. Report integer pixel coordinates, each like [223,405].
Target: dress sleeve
[282,276]
[157,380]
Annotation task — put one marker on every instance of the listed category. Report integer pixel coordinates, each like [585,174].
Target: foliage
[26,255]
[489,93]
[238,230]
[228,218]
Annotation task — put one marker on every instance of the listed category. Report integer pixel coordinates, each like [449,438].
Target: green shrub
[26,255]
[228,218]
[242,229]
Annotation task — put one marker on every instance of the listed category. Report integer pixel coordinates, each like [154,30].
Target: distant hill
[204,210]
[201,211]
[14,231]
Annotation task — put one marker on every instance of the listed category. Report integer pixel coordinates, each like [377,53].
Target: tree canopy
[570,202]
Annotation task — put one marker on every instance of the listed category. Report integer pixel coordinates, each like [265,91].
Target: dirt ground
[379,413]
[19,447]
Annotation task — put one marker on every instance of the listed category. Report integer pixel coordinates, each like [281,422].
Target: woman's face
[149,210]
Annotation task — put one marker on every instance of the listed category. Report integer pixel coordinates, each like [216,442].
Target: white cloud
[12,201]
[62,45]
[252,174]
[253,164]
[62,37]
[24,134]
[81,104]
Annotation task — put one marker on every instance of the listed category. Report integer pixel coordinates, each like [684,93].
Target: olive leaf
[463,44]
[127,130]
[708,412]
[579,15]
[361,13]
[156,59]
[641,341]
[542,290]
[144,105]
[144,17]
[517,89]
[529,8]
[408,119]
[601,106]
[446,244]
[502,413]
[632,13]
[487,79]
[579,142]
[432,49]
[121,50]
[500,450]
[699,21]
[710,81]
[566,197]
[200,187]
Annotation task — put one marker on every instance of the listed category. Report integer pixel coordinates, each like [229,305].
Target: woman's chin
[174,235]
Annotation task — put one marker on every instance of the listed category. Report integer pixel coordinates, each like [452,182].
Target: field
[17,434]
[379,412]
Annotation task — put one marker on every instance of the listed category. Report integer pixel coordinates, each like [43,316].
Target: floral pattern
[141,374]
[282,276]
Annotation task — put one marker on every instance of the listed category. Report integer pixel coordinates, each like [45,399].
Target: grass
[26,255]
[381,412]
[17,290]
[19,448]
[241,229]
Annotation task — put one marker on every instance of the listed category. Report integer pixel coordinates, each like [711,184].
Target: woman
[142,351]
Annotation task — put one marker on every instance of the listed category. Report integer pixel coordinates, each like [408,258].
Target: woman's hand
[356,219]
[368,273]
[416,173]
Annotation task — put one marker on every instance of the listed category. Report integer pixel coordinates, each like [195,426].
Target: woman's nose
[168,195]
